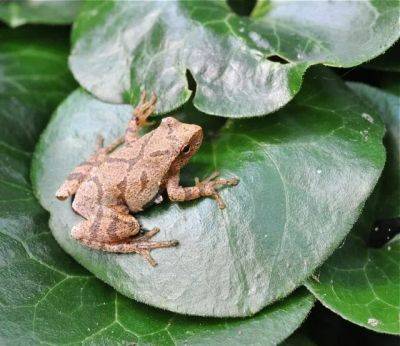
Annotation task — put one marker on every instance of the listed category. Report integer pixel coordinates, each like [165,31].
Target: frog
[130,174]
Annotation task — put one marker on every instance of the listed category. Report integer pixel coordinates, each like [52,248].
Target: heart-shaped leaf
[45,296]
[304,176]
[17,12]
[360,282]
[120,47]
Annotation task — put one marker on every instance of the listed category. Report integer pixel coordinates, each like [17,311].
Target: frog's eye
[186,149]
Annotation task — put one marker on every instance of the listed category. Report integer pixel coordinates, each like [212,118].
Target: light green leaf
[19,12]
[120,47]
[304,176]
[359,282]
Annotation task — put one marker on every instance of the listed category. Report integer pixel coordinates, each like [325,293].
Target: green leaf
[45,296]
[34,79]
[304,176]
[120,47]
[362,283]
[19,12]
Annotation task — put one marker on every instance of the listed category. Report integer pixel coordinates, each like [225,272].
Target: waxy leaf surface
[45,296]
[304,176]
[19,12]
[360,282]
[120,47]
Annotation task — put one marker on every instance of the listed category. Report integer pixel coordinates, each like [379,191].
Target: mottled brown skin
[122,179]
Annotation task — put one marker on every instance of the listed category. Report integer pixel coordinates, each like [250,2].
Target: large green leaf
[19,12]
[33,77]
[361,283]
[304,175]
[120,47]
[45,296]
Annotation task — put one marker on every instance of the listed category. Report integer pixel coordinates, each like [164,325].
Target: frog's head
[185,138]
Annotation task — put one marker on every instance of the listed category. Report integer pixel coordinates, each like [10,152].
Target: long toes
[219,182]
[142,97]
[212,176]
[221,204]
[148,111]
[222,182]
[153,99]
[146,255]
[143,244]
[151,233]
[233,181]
[163,244]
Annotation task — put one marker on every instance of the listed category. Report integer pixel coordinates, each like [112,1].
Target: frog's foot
[143,245]
[208,187]
[144,109]
[138,244]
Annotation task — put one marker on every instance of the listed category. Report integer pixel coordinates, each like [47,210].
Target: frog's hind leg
[79,174]
[141,246]
[113,231]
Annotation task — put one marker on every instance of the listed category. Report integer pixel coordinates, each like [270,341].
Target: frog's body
[115,182]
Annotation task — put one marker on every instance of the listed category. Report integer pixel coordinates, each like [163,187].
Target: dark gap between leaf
[326,328]
[357,74]
[383,231]
[277,58]
[191,81]
[242,7]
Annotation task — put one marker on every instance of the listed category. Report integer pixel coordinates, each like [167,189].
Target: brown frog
[130,174]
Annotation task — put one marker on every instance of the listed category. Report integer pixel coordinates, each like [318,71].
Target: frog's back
[105,183]
[147,170]
[135,172]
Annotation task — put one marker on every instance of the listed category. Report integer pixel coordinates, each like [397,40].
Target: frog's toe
[151,233]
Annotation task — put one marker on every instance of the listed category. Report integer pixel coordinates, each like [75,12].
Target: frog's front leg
[205,188]
[142,111]
[78,175]
[114,231]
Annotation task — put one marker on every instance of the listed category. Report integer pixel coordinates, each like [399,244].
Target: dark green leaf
[359,282]
[304,175]
[19,12]
[45,296]
[34,77]
[120,47]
